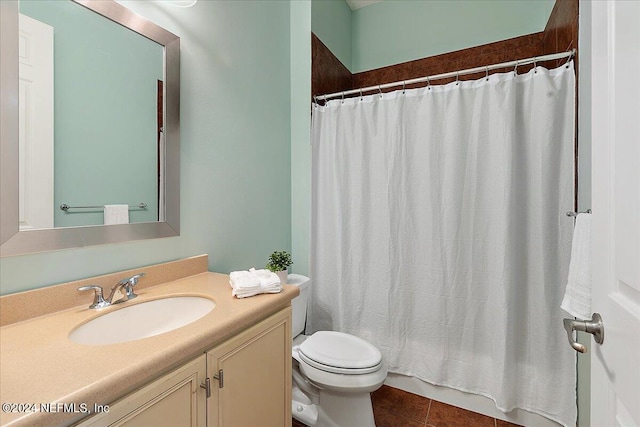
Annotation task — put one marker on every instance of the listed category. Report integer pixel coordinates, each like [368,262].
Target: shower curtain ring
[380,91]
[515,69]
[486,73]
[566,65]
[342,98]
[360,94]
[535,65]
[403,84]
[428,84]
[457,77]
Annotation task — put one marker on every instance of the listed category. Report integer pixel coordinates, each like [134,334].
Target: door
[615,129]
[35,102]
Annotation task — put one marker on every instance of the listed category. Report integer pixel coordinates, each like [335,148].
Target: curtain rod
[486,69]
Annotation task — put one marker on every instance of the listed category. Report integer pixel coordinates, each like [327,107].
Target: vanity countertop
[40,365]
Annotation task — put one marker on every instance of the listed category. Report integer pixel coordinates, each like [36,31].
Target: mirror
[116,138]
[105,104]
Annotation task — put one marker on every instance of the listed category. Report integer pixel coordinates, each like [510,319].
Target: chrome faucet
[125,286]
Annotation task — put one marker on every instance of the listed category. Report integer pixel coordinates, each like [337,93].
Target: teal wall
[105,149]
[396,31]
[331,21]
[235,148]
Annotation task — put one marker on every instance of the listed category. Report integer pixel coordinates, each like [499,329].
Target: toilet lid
[340,353]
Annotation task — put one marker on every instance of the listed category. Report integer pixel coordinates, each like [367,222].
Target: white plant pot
[283,275]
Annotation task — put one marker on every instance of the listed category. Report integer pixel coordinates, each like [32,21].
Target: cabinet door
[175,399]
[253,370]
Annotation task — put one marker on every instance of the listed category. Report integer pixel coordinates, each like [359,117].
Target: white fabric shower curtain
[439,233]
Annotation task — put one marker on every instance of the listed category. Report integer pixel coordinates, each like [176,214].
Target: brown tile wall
[561,32]
[492,53]
[328,74]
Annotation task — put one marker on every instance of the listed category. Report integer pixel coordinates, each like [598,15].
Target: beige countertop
[40,365]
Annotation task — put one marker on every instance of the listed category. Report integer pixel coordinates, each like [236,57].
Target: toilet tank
[299,303]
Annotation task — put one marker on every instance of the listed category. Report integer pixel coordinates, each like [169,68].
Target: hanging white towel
[116,214]
[577,297]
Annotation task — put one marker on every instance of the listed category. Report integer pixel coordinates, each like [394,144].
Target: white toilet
[333,372]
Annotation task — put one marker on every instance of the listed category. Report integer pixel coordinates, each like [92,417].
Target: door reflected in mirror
[91,115]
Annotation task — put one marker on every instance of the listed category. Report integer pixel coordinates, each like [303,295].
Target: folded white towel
[268,279]
[244,280]
[253,282]
[577,298]
[116,214]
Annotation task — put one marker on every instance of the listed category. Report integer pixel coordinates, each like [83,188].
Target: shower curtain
[439,233]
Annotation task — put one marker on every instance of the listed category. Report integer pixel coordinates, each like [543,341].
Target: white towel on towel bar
[116,214]
[577,297]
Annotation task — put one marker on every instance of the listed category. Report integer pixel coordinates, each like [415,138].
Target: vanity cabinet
[175,399]
[244,381]
[250,376]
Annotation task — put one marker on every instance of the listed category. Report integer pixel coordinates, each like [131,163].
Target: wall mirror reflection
[91,148]
[91,115]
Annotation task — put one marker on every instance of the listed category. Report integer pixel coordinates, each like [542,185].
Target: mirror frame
[16,242]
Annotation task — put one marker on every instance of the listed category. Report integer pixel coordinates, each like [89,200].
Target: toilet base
[345,410]
[302,408]
[328,408]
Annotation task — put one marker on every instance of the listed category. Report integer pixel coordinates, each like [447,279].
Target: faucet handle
[98,298]
[128,284]
[131,281]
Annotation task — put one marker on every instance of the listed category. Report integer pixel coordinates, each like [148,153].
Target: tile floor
[397,408]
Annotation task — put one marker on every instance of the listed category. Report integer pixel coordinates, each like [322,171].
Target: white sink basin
[142,320]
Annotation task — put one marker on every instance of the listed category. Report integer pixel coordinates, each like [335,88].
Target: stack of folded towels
[254,282]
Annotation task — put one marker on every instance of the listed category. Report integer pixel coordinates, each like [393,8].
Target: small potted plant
[279,262]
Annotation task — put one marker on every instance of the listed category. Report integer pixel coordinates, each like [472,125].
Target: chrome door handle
[593,326]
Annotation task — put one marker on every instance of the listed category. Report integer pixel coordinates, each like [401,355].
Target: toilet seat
[340,353]
[361,383]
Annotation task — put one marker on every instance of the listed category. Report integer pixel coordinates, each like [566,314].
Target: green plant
[279,260]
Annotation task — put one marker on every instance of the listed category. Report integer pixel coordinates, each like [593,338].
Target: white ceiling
[357,4]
